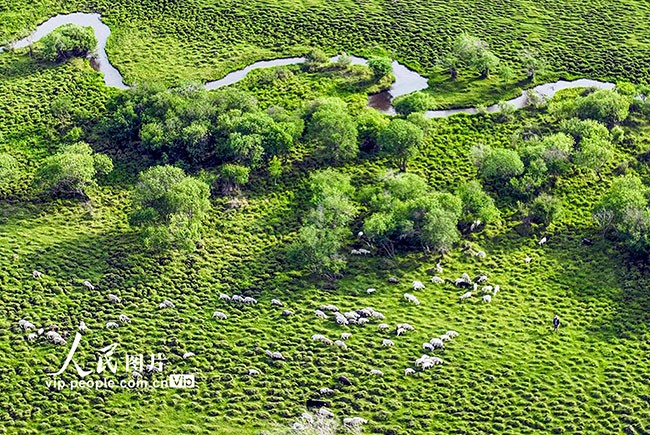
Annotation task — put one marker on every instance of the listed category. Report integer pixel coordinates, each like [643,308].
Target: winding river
[406,81]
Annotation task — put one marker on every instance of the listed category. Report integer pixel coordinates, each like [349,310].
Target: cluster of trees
[169,207]
[624,212]
[326,228]
[71,171]
[469,51]
[68,41]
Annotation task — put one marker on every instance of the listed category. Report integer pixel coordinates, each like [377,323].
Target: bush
[233,176]
[381,66]
[9,174]
[545,209]
[602,105]
[414,102]
[500,164]
[68,41]
[477,205]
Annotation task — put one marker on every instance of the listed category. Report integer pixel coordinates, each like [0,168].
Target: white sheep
[383,326]
[250,300]
[326,391]
[371,290]
[452,334]
[480,254]
[437,343]
[36,274]
[332,308]
[362,321]
[366,312]
[166,304]
[527,260]
[324,412]
[276,302]
[439,268]
[219,315]
[277,356]
[114,299]
[351,315]
[376,372]
[224,297]
[387,343]
[354,421]
[487,299]
[355,252]
[55,337]
[320,314]
[187,355]
[345,336]
[33,336]
[445,337]
[436,279]
[287,313]
[364,251]
[409,372]
[378,315]
[237,298]
[542,241]
[399,331]
[253,372]
[428,346]
[40,331]
[341,344]
[418,285]
[341,319]
[409,297]
[124,318]
[496,290]
[89,285]
[482,278]
[112,325]
[487,289]
[465,296]
[26,325]
[406,326]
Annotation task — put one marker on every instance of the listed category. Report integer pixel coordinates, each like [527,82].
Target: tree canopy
[69,41]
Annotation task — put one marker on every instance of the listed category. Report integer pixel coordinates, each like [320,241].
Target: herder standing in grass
[556,323]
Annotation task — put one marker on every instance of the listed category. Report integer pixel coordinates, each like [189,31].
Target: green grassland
[506,373]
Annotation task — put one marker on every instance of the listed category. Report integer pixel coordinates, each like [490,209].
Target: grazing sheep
[409,372]
[480,254]
[439,268]
[237,298]
[383,326]
[113,298]
[89,285]
[364,252]
[31,337]
[387,343]
[487,289]
[320,314]
[136,374]
[445,337]
[460,282]
[542,241]
[487,299]
[112,325]
[187,355]
[287,313]
[276,302]
[351,315]
[399,331]
[277,356]
[437,343]
[25,325]
[496,290]
[326,391]
[166,304]
[322,339]
[452,334]
[219,315]
[36,274]
[250,300]
[475,225]
[345,336]
[481,279]
[409,297]
[355,252]
[224,297]
[341,319]
[418,285]
[393,280]
[82,326]
[406,326]
[378,315]
[340,344]
[354,421]
[365,312]
[465,296]
[332,308]
[527,260]
[40,331]
[362,321]
[55,337]
[371,290]
[253,372]
[466,277]
[436,279]
[124,318]
[324,412]
[376,372]
[428,346]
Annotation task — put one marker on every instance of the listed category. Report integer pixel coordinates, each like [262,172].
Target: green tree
[381,66]
[275,169]
[477,205]
[68,41]
[71,171]
[334,129]
[545,209]
[370,123]
[9,174]
[170,208]
[499,164]
[402,139]
[603,105]
[413,102]
[532,62]
[232,177]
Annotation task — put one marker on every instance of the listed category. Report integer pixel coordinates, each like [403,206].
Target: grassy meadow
[506,373]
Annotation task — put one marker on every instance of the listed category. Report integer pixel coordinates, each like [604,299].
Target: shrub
[603,105]
[545,209]
[500,164]
[381,66]
[414,102]
[477,205]
[68,41]
[9,174]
